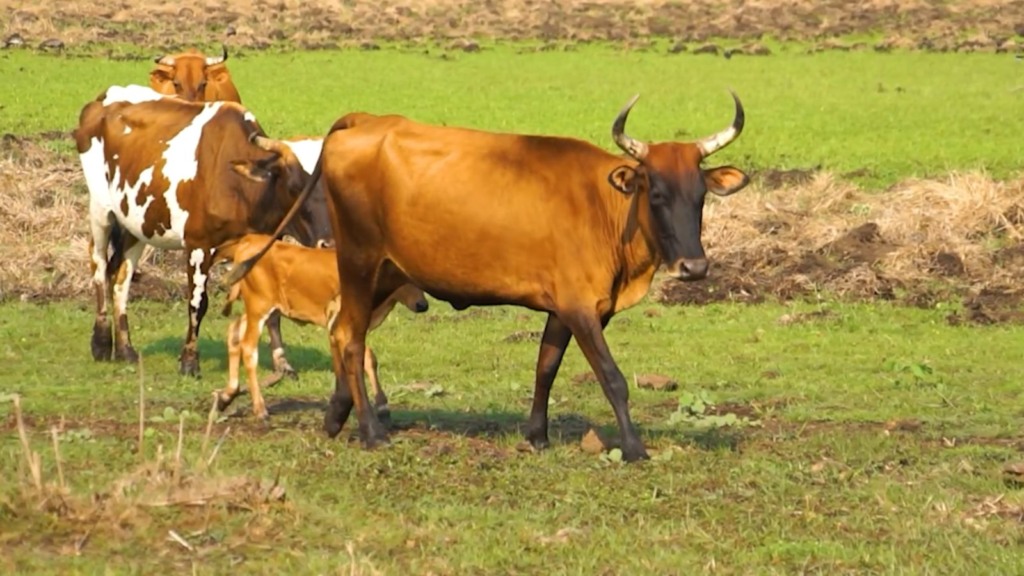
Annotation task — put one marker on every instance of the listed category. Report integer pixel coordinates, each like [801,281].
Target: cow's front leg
[281,365]
[123,349]
[199,262]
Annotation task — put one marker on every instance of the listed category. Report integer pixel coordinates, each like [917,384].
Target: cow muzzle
[689,269]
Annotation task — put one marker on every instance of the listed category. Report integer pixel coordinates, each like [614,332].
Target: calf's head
[676,184]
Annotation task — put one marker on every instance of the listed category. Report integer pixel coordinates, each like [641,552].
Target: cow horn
[716,142]
[223,58]
[165,60]
[634,148]
[264,143]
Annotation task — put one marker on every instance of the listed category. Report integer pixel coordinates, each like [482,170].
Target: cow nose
[690,269]
[422,306]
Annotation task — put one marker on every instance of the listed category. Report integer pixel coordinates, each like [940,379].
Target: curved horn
[268,144]
[634,148]
[165,60]
[716,142]
[210,61]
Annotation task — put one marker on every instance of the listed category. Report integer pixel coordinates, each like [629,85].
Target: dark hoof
[189,364]
[102,343]
[384,415]
[539,444]
[634,453]
[127,354]
[223,402]
[336,416]
[377,442]
[287,371]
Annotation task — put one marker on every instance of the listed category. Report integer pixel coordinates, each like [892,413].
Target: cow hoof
[223,401]
[127,354]
[376,442]
[634,453]
[285,369]
[102,343]
[189,364]
[332,427]
[539,444]
[384,415]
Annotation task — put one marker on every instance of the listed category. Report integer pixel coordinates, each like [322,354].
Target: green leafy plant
[697,409]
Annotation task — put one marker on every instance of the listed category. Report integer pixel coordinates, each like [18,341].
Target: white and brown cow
[302,284]
[177,175]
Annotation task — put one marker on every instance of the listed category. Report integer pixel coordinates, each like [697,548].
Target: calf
[302,284]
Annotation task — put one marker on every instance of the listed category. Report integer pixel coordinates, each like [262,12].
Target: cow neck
[640,254]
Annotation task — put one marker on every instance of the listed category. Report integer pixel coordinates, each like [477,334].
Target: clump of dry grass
[165,481]
[45,211]
[920,240]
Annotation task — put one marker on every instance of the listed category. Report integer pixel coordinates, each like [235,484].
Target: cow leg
[587,329]
[123,349]
[250,356]
[552,348]
[348,333]
[199,262]
[281,365]
[102,342]
[228,394]
[380,400]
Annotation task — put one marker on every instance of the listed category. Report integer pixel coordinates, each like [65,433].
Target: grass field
[881,118]
[812,436]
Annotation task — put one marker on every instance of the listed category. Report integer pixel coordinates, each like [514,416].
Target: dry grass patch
[920,242]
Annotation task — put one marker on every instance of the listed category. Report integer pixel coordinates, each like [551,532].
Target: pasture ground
[848,397]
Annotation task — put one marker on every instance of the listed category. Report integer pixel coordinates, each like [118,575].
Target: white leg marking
[131,259]
[195,259]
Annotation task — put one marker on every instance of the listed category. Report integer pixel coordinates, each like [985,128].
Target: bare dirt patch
[936,25]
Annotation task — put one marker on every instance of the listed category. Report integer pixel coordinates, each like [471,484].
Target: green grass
[891,115]
[825,480]
[816,485]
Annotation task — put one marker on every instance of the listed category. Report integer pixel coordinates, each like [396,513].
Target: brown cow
[302,284]
[477,218]
[195,77]
[177,175]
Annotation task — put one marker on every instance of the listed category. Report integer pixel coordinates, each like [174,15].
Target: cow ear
[216,73]
[252,170]
[159,79]
[725,180]
[624,179]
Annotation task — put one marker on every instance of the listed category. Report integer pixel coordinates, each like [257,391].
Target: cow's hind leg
[249,349]
[226,396]
[102,341]
[199,262]
[123,349]
[348,335]
[587,328]
[281,365]
[552,348]
[380,400]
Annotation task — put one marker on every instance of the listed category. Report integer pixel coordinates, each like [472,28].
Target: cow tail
[116,243]
[236,289]
[242,268]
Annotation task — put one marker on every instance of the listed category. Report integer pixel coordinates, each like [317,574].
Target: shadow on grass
[563,429]
[302,358]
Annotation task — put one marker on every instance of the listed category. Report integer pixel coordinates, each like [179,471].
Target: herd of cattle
[386,209]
